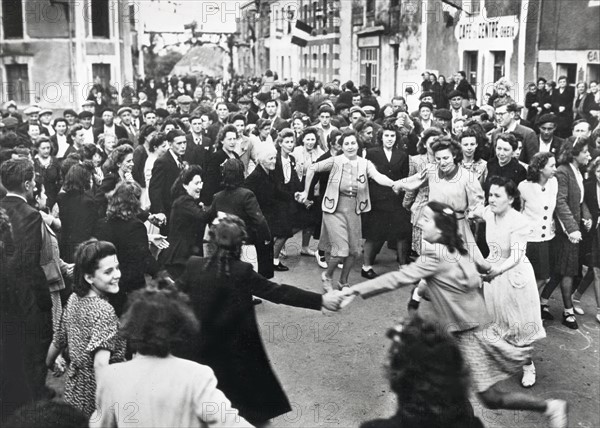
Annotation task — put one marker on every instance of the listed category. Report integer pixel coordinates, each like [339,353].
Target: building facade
[53,52]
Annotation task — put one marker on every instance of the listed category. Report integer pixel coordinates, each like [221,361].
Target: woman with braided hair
[220,288]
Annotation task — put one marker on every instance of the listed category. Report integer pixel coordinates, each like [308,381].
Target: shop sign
[483,28]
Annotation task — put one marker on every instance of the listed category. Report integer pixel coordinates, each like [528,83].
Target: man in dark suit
[164,173]
[546,141]
[109,127]
[29,296]
[244,103]
[456,105]
[277,123]
[505,119]
[198,145]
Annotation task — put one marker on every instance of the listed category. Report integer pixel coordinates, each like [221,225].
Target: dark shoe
[546,315]
[570,321]
[369,274]
[256,301]
[413,304]
[280,268]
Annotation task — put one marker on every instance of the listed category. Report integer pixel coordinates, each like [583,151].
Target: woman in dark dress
[387,220]
[272,199]
[119,167]
[48,169]
[229,342]
[127,232]
[78,212]
[226,143]
[188,219]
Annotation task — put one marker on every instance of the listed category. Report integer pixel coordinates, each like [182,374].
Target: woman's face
[366,134]
[458,127]
[583,157]
[501,90]
[61,128]
[298,125]
[504,152]
[127,164]
[550,169]
[109,145]
[389,139]
[541,85]
[287,145]
[499,201]
[105,279]
[517,153]
[309,141]
[194,187]
[593,87]
[268,162]
[429,229]
[548,87]
[230,141]
[97,160]
[468,144]
[44,150]
[597,173]
[445,160]
[264,133]
[162,149]
[350,146]
[42,199]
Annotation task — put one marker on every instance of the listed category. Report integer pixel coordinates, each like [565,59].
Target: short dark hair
[510,138]
[174,133]
[232,172]
[15,172]
[307,131]
[568,151]
[185,177]
[237,116]
[59,119]
[158,321]
[224,130]
[444,143]
[117,156]
[536,164]
[480,139]
[74,129]
[446,221]
[510,187]
[87,259]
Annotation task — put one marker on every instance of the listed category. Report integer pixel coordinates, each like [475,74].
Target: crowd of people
[123,229]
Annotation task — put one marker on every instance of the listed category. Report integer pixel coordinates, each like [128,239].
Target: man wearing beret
[85,119]
[546,141]
[456,105]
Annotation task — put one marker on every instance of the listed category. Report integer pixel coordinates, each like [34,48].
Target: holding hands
[338,299]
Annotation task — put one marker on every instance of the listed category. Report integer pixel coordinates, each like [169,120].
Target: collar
[16,196]
[176,157]
[109,127]
[511,127]
[450,175]
[549,143]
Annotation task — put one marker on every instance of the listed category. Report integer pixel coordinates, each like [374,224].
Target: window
[593,72]
[305,70]
[17,83]
[569,70]
[326,67]
[499,62]
[369,67]
[357,15]
[100,18]
[315,62]
[370,6]
[101,74]
[12,19]
[470,65]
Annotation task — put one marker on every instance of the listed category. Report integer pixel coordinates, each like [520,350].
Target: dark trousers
[264,256]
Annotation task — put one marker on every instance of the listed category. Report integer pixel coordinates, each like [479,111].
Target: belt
[348,196]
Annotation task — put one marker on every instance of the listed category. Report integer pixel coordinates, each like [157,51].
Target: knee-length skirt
[341,231]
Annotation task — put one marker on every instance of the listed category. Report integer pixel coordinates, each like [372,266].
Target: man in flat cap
[184,102]
[443,118]
[12,111]
[244,103]
[109,126]
[70,116]
[45,117]
[126,117]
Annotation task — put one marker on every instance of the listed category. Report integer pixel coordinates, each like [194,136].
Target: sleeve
[212,406]
[194,210]
[35,279]
[140,238]
[425,267]
[410,195]
[105,331]
[155,188]
[282,293]
[475,195]
[562,210]
[323,166]
[60,336]
[257,219]
[379,178]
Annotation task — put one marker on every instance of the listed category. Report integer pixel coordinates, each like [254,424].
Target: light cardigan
[366,170]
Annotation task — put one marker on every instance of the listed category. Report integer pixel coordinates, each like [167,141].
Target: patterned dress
[88,325]
[417,199]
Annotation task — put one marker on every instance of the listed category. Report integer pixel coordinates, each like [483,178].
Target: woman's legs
[402,247]
[494,398]
[277,246]
[306,235]
[371,249]
[348,263]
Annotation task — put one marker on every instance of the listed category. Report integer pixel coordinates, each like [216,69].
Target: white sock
[569,311]
[276,261]
[367,268]
[416,296]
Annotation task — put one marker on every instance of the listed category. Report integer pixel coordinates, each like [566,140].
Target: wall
[442,46]
[569,25]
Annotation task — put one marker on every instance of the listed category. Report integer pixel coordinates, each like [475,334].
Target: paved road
[332,366]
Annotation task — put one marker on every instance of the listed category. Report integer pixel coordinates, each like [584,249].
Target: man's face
[61,128]
[79,137]
[425,76]
[275,94]
[185,120]
[398,105]
[171,108]
[184,108]
[356,100]
[222,112]
[33,118]
[425,113]
[151,119]
[244,107]
[427,99]
[582,130]
[456,102]
[541,85]
[503,118]
[46,118]
[135,112]
[239,125]
[205,121]
[108,118]
[547,131]
[178,145]
[89,107]
[126,118]
[197,126]
[86,122]
[271,109]
[355,116]
[198,93]
[562,83]
[325,119]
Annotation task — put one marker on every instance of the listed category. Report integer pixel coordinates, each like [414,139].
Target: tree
[159,66]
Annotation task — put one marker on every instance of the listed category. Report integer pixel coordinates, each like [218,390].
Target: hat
[341,106]
[123,110]
[426,104]
[547,118]
[146,104]
[10,103]
[69,111]
[357,109]
[326,108]
[135,106]
[455,93]
[88,103]
[244,100]
[184,99]
[85,115]
[32,110]
[10,122]
[426,94]
[369,109]
[45,111]
[161,112]
[263,97]
[443,113]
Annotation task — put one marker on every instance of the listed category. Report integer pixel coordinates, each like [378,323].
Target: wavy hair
[480,140]
[117,156]
[510,188]
[444,143]
[568,152]
[427,134]
[226,237]
[536,165]
[185,177]
[87,259]
[124,201]
[446,221]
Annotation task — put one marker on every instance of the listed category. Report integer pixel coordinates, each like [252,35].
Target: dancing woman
[453,284]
